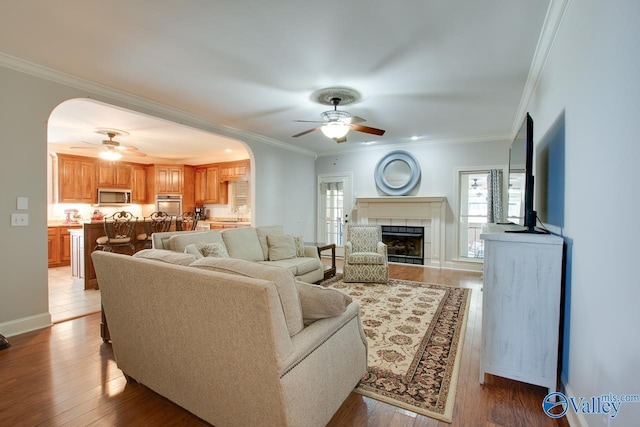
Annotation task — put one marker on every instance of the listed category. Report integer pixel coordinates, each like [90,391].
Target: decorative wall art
[397,173]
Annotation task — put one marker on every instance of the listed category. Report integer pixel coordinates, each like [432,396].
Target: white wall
[586,117]
[280,175]
[439,163]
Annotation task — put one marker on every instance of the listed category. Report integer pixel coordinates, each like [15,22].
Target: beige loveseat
[232,341]
[262,244]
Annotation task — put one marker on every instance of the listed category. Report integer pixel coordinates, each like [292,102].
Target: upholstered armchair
[365,256]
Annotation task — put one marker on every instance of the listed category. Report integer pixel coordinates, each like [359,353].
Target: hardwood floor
[66,375]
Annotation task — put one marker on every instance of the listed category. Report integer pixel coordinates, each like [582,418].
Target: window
[515,211]
[473,213]
[239,197]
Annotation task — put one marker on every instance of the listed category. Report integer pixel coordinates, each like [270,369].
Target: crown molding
[552,23]
[413,144]
[55,76]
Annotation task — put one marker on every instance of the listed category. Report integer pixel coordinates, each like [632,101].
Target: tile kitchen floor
[68,300]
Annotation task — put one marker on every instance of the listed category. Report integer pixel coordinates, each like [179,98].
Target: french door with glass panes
[334,205]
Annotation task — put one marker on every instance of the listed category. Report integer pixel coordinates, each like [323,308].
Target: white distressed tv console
[521,305]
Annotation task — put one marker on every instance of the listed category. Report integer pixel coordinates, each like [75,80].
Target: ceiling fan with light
[337,123]
[109,148]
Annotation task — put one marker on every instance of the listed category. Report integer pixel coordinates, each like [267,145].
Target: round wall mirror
[397,173]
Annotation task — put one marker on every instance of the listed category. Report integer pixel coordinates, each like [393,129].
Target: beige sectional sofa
[262,244]
[235,342]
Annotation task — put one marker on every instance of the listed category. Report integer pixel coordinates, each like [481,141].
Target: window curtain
[494,196]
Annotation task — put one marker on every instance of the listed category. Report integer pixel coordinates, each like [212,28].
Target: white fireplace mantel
[408,209]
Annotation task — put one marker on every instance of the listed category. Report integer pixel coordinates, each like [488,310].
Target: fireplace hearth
[404,243]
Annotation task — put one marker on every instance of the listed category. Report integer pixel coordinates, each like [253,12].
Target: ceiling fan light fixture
[110,155]
[335,130]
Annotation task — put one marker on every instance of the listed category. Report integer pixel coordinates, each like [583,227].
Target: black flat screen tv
[521,160]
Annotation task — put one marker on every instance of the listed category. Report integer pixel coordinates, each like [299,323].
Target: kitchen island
[91,230]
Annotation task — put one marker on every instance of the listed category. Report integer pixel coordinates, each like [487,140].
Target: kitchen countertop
[61,223]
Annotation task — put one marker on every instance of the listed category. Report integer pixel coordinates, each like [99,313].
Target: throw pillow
[281,246]
[166,256]
[318,302]
[299,246]
[212,249]
[193,250]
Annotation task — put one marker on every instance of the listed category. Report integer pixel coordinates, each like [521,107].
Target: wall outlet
[19,220]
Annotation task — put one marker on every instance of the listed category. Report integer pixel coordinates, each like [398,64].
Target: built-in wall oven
[169,203]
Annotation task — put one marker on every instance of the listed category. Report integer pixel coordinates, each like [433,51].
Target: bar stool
[157,222]
[186,222]
[118,229]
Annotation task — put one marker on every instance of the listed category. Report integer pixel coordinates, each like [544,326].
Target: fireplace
[428,213]
[404,243]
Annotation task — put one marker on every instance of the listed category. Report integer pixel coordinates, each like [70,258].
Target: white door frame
[347,181]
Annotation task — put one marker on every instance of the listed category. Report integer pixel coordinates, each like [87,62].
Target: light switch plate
[19,219]
[22,203]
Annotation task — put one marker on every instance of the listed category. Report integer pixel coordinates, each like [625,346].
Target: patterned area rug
[415,333]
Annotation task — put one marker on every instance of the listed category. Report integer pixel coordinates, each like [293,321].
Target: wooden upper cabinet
[207,185]
[213,184]
[234,171]
[76,179]
[139,185]
[165,179]
[114,175]
[188,193]
[200,185]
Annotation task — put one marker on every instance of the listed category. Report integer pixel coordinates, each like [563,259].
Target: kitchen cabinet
[139,185]
[165,179]
[207,185]
[234,171]
[59,245]
[188,194]
[76,179]
[113,175]
[53,246]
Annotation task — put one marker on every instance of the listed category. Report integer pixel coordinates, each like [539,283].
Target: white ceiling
[436,70]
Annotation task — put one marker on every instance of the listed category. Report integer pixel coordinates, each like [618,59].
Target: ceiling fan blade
[355,119]
[308,121]
[367,129]
[124,148]
[136,153]
[306,132]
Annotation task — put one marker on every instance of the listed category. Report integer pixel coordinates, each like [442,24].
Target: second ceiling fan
[337,123]
[111,149]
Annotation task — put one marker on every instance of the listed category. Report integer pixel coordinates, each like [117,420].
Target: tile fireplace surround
[427,212]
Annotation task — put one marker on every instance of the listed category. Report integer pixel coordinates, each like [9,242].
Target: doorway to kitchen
[335,202]
[74,131]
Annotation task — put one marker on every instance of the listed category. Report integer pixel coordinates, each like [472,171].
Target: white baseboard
[575,420]
[26,324]
[463,265]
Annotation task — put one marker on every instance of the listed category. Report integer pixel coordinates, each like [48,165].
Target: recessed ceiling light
[228,150]
[414,138]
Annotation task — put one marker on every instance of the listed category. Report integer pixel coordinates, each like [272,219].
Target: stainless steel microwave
[113,197]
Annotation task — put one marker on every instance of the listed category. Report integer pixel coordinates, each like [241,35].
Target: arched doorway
[77,128]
